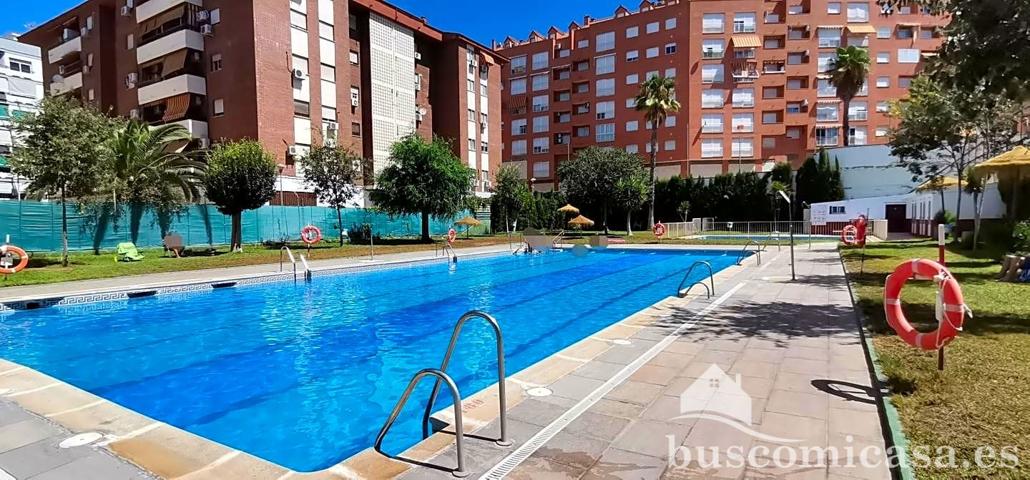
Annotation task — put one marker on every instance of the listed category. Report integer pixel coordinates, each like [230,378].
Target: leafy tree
[63,153]
[684,210]
[976,184]
[240,176]
[511,195]
[425,178]
[848,73]
[151,172]
[632,192]
[657,99]
[594,176]
[333,171]
[945,130]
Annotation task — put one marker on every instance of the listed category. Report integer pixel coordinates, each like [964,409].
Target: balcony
[172,87]
[858,116]
[197,128]
[65,49]
[172,43]
[68,84]
[712,54]
[148,9]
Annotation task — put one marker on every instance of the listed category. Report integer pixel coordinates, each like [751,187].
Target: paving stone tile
[650,437]
[573,450]
[795,382]
[11,413]
[25,432]
[726,345]
[748,368]
[539,468]
[654,374]
[808,353]
[793,427]
[621,464]
[635,392]
[684,346]
[846,422]
[574,386]
[598,370]
[39,457]
[615,408]
[597,425]
[762,355]
[536,412]
[801,404]
[672,360]
[93,467]
[667,409]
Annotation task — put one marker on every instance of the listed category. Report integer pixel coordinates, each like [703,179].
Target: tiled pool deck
[795,345]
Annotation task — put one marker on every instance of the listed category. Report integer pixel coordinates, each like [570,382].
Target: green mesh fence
[36,226]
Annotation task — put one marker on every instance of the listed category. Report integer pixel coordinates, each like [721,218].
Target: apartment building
[750,75]
[21,89]
[288,73]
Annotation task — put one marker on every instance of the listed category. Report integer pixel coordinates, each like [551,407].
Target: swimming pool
[304,374]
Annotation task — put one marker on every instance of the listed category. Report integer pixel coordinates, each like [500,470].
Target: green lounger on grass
[127,253]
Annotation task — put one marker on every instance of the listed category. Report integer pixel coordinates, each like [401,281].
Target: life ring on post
[659,230]
[951,309]
[862,224]
[310,235]
[452,235]
[7,267]
[849,235]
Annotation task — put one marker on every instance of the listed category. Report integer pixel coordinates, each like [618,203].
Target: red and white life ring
[9,269]
[310,235]
[659,230]
[452,235]
[849,235]
[951,309]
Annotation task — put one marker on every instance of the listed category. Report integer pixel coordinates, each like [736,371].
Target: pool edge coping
[171,452]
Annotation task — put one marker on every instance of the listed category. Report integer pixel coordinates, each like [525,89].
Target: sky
[479,20]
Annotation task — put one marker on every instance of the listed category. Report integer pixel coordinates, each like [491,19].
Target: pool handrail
[286,249]
[459,433]
[741,256]
[445,248]
[711,276]
[307,269]
[499,337]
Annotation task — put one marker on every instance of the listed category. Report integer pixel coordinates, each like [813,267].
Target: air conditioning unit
[126,11]
[203,16]
[298,74]
[203,143]
[130,80]
[68,34]
[418,56]
[353,101]
[207,29]
[60,70]
[294,151]
[130,3]
[134,114]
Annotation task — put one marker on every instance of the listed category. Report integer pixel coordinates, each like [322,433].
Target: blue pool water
[305,374]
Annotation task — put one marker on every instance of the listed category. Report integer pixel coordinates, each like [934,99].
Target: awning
[487,59]
[832,27]
[928,54]
[865,29]
[517,101]
[828,100]
[909,24]
[154,23]
[176,107]
[175,61]
[747,41]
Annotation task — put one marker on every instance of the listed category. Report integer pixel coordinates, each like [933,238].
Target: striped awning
[864,29]
[162,19]
[747,41]
[516,102]
[832,27]
[176,107]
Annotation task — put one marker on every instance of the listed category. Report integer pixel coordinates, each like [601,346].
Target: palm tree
[150,170]
[848,73]
[657,99]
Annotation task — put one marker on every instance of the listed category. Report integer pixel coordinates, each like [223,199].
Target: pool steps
[680,292]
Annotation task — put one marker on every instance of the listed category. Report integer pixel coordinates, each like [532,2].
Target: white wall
[871,171]
[920,206]
[874,207]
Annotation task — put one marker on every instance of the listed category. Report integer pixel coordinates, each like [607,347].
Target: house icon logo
[717,396]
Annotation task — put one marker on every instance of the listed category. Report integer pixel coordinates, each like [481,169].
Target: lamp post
[790,209]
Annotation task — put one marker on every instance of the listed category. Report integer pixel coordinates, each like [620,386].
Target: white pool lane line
[509,463]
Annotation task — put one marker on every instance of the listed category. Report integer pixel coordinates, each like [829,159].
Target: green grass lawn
[982,398]
[46,267]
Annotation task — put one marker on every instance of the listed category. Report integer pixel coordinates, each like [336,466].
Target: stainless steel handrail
[556,238]
[503,441]
[307,269]
[458,424]
[444,249]
[285,249]
[740,256]
[711,276]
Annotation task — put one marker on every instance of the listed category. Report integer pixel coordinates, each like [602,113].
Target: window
[793,133]
[541,169]
[470,85]
[632,148]
[906,33]
[825,136]
[539,82]
[744,22]
[605,42]
[670,48]
[327,73]
[904,82]
[540,60]
[540,103]
[711,148]
[824,88]
[325,31]
[518,126]
[837,210]
[541,145]
[881,131]
[742,148]
[631,103]
[768,142]
[582,87]
[354,57]
[712,23]
[605,87]
[796,83]
[583,131]
[540,124]
[770,117]
[829,37]
[826,112]
[711,123]
[858,12]
[712,48]
[652,52]
[518,65]
[605,110]
[216,62]
[857,136]
[713,98]
[130,41]
[632,79]
[773,42]
[670,72]
[301,109]
[604,65]
[218,107]
[584,43]
[743,122]
[581,66]
[632,55]
[743,98]
[652,27]
[883,82]
[858,41]
[298,20]
[518,147]
[858,111]
[883,57]
[632,126]
[826,60]
[670,121]
[795,58]
[908,55]
[711,73]
[833,8]
[883,32]
[518,86]
[670,145]
[794,107]
[355,129]
[632,32]
[605,132]
[23,66]
[883,106]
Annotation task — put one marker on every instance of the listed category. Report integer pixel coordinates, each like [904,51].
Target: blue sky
[509,17]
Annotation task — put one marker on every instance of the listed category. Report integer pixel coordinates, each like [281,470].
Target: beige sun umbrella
[581,221]
[1014,164]
[568,208]
[468,222]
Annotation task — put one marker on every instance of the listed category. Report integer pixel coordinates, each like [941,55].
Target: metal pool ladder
[442,376]
[741,256]
[286,250]
[680,292]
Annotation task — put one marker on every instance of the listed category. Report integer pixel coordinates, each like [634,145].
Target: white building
[21,89]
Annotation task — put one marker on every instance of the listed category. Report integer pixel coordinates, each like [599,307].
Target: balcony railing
[712,54]
[743,28]
[858,116]
[64,49]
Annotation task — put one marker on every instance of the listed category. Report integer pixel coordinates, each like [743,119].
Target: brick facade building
[287,73]
[750,74]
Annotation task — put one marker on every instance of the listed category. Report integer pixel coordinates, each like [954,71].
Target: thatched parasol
[568,208]
[1014,164]
[937,184]
[581,221]
[468,222]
